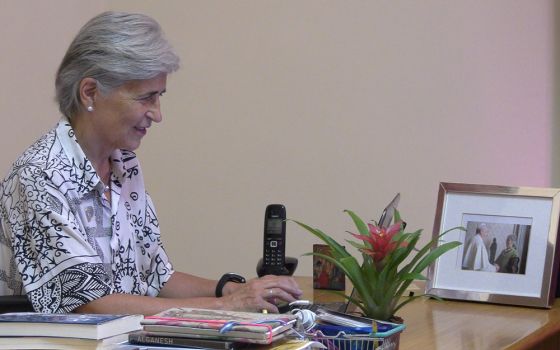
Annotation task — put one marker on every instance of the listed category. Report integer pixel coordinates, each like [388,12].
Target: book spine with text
[146,338]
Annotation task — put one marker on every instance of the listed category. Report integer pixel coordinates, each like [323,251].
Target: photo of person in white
[475,256]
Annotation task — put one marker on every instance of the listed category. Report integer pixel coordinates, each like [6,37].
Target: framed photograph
[326,275]
[509,252]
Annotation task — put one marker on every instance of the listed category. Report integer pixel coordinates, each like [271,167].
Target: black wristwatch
[228,277]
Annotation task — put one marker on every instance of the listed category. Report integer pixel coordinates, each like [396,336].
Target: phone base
[290,266]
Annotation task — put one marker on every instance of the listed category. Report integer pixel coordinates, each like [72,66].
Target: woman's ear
[88,91]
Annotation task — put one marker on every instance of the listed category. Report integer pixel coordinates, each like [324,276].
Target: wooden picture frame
[509,253]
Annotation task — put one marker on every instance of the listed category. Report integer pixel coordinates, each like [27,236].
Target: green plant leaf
[416,267]
[356,245]
[406,301]
[337,250]
[432,296]
[337,262]
[434,254]
[360,225]
[420,254]
[401,253]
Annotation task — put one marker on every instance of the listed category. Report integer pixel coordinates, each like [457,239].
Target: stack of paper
[215,329]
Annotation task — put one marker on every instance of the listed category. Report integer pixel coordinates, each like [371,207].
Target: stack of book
[212,329]
[30,330]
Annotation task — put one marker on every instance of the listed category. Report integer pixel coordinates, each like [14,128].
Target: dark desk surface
[458,325]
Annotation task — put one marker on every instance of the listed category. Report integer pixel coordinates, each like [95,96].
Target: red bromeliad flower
[380,240]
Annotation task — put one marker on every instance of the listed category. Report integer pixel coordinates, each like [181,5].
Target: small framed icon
[326,275]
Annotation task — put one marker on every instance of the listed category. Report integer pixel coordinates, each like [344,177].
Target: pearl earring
[89,108]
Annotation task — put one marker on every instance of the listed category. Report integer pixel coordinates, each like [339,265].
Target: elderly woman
[78,231]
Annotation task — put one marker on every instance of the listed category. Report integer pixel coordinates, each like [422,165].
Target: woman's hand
[263,293]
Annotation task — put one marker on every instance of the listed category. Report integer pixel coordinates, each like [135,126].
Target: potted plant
[385,272]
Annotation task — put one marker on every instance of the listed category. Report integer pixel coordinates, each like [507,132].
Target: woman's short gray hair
[113,48]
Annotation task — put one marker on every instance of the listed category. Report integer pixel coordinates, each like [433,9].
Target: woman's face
[124,115]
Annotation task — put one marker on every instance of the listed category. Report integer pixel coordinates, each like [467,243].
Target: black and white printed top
[62,243]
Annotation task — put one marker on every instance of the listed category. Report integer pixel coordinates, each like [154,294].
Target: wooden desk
[462,325]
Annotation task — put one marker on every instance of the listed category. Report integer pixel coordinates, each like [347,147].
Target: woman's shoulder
[35,158]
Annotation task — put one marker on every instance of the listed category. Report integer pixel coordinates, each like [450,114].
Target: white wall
[34,36]
[319,105]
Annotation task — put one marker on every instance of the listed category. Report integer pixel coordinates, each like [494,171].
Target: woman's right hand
[259,294]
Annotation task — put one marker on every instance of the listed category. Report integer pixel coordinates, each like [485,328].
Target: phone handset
[274,243]
[274,260]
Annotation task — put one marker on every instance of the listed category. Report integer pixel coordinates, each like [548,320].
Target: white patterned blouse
[62,243]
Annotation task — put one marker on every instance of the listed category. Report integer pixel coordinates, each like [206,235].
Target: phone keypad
[274,253]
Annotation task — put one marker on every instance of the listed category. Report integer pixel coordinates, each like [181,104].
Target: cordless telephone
[274,243]
[274,260]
